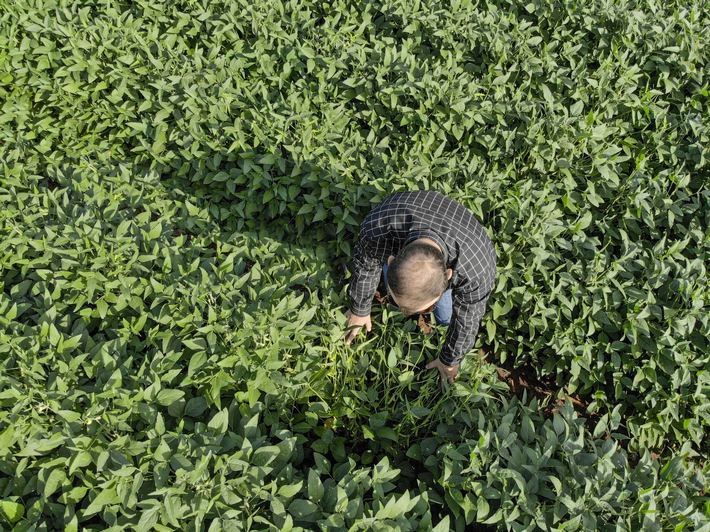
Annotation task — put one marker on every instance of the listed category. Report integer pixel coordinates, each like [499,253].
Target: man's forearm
[365,278]
[361,291]
[462,333]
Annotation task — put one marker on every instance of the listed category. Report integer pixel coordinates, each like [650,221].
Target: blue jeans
[443,309]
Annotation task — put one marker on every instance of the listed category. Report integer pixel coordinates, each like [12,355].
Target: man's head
[417,277]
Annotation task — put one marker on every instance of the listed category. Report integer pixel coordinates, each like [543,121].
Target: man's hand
[355,323]
[448,373]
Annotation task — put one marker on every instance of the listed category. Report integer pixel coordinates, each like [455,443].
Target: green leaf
[387,433]
[195,407]
[315,486]
[264,383]
[192,210]
[102,307]
[442,526]
[69,416]
[167,397]
[155,231]
[301,508]
[263,456]
[290,490]
[105,497]
[673,470]
[37,447]
[79,460]
[12,511]
[197,361]
[54,482]
[368,433]
[149,518]
[378,420]
[392,358]
[196,344]
[219,422]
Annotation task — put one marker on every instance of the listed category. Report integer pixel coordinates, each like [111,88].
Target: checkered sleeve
[367,268]
[468,309]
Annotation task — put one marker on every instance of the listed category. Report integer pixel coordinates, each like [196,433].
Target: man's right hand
[355,323]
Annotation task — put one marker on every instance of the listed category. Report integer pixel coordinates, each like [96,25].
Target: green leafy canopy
[182,182]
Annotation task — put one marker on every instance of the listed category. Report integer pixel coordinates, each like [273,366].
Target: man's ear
[449,273]
[390,259]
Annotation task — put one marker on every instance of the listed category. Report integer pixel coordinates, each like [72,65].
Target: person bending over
[435,256]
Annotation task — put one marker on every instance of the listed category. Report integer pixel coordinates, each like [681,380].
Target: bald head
[417,275]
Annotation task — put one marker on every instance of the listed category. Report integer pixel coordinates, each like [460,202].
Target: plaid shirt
[468,251]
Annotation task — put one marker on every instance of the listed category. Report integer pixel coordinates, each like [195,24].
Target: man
[434,255]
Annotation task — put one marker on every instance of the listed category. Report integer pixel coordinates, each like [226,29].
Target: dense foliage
[181,183]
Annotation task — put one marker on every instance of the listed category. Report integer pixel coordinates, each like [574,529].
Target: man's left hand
[448,373]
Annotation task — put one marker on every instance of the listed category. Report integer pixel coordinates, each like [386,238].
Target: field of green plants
[181,184]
